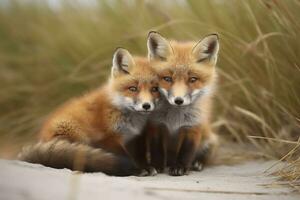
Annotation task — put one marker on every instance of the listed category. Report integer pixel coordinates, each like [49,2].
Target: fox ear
[122,62]
[158,47]
[207,49]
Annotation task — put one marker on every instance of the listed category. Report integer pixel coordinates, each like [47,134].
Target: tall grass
[49,55]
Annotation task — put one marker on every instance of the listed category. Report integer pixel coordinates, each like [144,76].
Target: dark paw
[197,166]
[125,167]
[160,169]
[149,171]
[178,171]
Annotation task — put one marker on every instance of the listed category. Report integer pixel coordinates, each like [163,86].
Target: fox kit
[89,133]
[187,78]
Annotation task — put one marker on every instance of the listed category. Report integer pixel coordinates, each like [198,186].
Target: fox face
[186,70]
[134,82]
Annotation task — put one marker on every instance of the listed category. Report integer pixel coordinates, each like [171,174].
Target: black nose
[178,100]
[146,106]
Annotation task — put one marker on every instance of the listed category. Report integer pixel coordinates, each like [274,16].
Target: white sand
[19,180]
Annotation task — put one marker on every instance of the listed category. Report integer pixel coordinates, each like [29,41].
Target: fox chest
[130,125]
[175,118]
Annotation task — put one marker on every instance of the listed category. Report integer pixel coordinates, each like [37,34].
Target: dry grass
[49,55]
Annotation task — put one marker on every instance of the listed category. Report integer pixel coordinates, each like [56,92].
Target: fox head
[186,70]
[134,83]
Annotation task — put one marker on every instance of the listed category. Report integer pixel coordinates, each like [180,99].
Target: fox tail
[75,156]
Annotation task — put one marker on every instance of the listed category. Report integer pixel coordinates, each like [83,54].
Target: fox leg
[206,149]
[158,148]
[201,158]
[189,139]
[155,148]
[138,148]
[150,149]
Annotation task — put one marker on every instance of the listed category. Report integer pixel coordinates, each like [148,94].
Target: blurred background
[51,50]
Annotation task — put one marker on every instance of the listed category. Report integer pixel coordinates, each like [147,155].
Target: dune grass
[49,55]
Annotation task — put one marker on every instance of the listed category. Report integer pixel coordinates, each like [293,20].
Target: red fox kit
[187,78]
[97,125]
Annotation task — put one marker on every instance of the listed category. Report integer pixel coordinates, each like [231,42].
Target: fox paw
[197,166]
[160,169]
[178,171]
[149,171]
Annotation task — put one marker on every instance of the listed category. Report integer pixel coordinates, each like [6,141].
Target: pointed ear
[122,62]
[207,49]
[158,47]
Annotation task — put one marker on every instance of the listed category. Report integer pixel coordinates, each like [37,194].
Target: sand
[20,180]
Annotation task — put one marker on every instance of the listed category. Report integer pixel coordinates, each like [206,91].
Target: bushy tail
[75,156]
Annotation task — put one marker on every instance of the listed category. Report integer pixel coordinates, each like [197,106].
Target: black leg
[201,157]
[158,148]
[186,154]
[137,148]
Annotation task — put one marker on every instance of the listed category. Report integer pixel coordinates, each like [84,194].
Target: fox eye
[154,89]
[132,88]
[193,79]
[168,78]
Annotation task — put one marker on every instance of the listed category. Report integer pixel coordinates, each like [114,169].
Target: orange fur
[185,68]
[97,118]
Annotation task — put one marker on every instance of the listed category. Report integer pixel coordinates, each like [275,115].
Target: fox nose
[146,106]
[178,101]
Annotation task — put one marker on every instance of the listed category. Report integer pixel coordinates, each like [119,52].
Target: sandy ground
[19,180]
